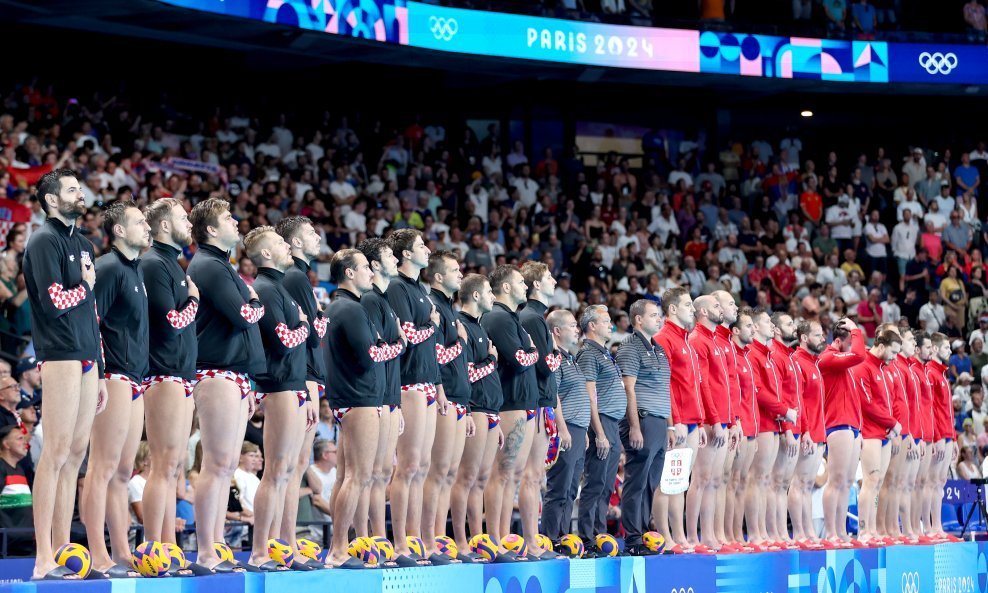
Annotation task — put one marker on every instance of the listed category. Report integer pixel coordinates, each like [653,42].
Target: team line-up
[452,400]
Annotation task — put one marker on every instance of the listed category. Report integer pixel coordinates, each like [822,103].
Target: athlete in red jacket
[708,467]
[923,499]
[772,410]
[945,450]
[890,499]
[843,422]
[880,431]
[788,456]
[812,342]
[684,390]
[742,335]
[726,494]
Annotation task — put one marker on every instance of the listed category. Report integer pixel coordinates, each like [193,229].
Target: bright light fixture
[806,113]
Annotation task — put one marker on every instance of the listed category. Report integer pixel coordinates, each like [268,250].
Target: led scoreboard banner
[484,33]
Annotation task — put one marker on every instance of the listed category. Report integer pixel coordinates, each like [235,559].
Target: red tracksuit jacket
[684,385]
[749,403]
[943,410]
[876,402]
[722,337]
[812,416]
[768,388]
[842,405]
[713,376]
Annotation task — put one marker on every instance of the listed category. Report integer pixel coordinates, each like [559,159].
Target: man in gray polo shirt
[645,373]
[607,407]
[563,478]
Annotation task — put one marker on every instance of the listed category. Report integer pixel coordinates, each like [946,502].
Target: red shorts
[135,389]
[150,381]
[427,388]
[240,379]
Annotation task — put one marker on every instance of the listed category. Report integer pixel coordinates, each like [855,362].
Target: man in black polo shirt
[452,429]
[173,301]
[281,388]
[645,373]
[541,288]
[517,356]
[59,275]
[122,305]
[607,406]
[354,357]
[563,478]
[467,498]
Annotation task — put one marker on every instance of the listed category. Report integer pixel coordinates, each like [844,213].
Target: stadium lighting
[806,113]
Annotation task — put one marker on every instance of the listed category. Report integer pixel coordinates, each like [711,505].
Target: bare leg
[447,484]
[700,485]
[840,446]
[478,494]
[222,422]
[117,499]
[303,452]
[166,411]
[382,472]
[507,507]
[742,473]
[410,453]
[361,522]
[529,495]
[68,409]
[501,480]
[105,454]
[441,460]
[677,503]
[466,476]
[785,467]
[724,514]
[759,485]
[360,427]
[871,481]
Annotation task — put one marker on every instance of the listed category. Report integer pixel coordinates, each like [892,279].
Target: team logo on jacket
[71,258]
[182,283]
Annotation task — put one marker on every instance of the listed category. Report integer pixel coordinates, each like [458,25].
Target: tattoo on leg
[512,444]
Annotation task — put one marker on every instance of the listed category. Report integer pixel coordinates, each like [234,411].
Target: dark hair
[51,183]
[6,430]
[838,331]
[746,312]
[437,261]
[500,275]
[206,214]
[671,297]
[638,308]
[343,260]
[12,234]
[290,226]
[157,211]
[472,283]
[803,328]
[371,248]
[402,241]
[777,317]
[114,214]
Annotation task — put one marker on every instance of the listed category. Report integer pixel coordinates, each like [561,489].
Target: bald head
[708,309]
[728,306]
[559,318]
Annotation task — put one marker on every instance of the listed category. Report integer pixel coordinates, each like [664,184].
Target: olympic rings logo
[442,28]
[682,590]
[910,582]
[937,62]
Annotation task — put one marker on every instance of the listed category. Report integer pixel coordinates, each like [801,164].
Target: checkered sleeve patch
[291,337]
[417,336]
[182,319]
[475,373]
[526,359]
[66,299]
[320,325]
[446,355]
[251,314]
[386,352]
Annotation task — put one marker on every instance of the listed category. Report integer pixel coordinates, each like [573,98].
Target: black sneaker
[638,550]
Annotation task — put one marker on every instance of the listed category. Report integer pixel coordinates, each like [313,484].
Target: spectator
[836,14]
[870,313]
[246,480]
[954,297]
[931,315]
[326,427]
[29,375]
[877,238]
[891,313]
[974,16]
[957,236]
[966,176]
[322,472]
[967,469]
[10,398]
[865,20]
[15,493]
[959,362]
[979,359]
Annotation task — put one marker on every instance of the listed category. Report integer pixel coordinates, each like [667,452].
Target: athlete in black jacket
[173,301]
[541,287]
[59,274]
[375,302]
[228,311]
[419,377]
[122,305]
[452,429]
[354,355]
[480,355]
[516,367]
[304,241]
[284,330]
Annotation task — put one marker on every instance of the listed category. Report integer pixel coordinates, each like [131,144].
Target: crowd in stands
[885,235]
